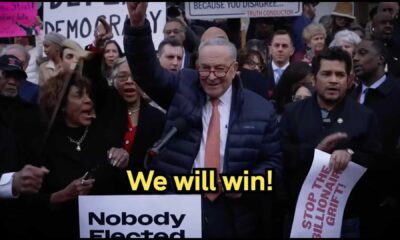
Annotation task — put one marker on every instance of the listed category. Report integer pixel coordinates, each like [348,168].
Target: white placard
[77,20]
[140,216]
[207,10]
[322,199]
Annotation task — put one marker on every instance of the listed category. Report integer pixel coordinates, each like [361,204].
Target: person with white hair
[52,45]
[347,40]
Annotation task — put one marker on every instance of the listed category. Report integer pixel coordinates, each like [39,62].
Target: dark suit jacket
[255,82]
[24,131]
[8,150]
[26,123]
[302,129]
[384,101]
[188,56]
[269,73]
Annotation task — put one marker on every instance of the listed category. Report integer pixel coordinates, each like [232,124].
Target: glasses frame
[218,74]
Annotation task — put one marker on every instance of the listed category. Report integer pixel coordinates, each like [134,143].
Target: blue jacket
[29,92]
[253,138]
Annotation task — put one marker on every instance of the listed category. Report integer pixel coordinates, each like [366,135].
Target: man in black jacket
[20,143]
[11,74]
[333,123]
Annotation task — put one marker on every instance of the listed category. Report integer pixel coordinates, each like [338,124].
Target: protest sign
[140,216]
[207,10]
[323,197]
[18,19]
[77,20]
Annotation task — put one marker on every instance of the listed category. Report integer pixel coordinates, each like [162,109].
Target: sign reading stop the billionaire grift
[323,197]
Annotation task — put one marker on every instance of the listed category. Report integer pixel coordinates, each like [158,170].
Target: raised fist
[137,13]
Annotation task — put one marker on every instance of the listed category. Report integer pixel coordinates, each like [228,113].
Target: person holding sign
[224,128]
[333,123]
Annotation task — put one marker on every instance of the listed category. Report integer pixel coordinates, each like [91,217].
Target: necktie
[364,95]
[212,157]
[279,72]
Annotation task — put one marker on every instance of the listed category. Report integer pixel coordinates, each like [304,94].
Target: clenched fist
[137,13]
[28,180]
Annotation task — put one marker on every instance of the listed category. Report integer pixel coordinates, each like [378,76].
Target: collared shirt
[183,59]
[6,185]
[275,68]
[224,108]
[375,85]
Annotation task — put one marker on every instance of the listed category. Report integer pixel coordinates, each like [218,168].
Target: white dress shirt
[375,85]
[6,185]
[275,67]
[224,108]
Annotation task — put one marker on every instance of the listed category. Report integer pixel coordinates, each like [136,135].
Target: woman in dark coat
[76,144]
[132,122]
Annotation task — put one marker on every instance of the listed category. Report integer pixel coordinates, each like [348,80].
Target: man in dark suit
[224,128]
[383,28]
[380,92]
[333,123]
[170,54]
[281,49]
[18,136]
[175,28]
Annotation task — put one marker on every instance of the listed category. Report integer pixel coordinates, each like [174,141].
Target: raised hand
[330,141]
[102,33]
[137,13]
[28,180]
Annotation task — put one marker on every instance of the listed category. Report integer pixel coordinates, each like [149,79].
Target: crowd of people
[92,112]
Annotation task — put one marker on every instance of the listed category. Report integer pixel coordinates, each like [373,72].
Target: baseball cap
[11,63]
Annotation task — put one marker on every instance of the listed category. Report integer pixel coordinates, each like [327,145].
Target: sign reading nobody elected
[140,216]
[77,20]
[207,10]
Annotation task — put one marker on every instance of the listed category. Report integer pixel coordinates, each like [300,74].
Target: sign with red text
[323,197]
[140,216]
[18,19]
[77,20]
[207,10]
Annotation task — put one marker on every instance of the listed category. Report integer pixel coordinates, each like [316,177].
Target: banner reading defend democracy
[18,19]
[77,20]
[322,199]
[140,216]
[207,10]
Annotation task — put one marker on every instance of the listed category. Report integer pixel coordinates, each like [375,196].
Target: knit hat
[71,44]
[55,38]
[344,9]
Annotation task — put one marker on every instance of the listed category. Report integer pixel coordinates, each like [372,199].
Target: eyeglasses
[122,78]
[219,72]
[175,31]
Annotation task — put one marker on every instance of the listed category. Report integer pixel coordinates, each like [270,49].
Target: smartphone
[90,174]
